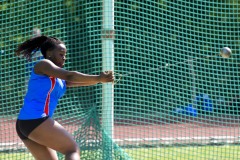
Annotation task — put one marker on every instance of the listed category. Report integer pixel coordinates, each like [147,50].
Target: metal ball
[225,52]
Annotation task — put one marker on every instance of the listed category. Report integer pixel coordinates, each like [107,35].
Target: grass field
[168,153]
[186,153]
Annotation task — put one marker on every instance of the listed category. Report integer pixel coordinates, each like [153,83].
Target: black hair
[44,43]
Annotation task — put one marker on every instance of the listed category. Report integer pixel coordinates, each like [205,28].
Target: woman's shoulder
[43,61]
[42,65]
[37,65]
[34,74]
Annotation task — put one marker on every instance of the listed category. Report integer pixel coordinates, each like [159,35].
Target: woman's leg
[51,134]
[39,151]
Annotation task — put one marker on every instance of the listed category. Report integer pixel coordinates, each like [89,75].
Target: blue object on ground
[187,110]
[206,102]
[206,105]
[191,111]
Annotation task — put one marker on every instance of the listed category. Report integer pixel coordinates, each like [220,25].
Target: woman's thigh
[39,151]
[51,134]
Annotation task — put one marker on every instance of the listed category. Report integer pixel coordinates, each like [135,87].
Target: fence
[175,93]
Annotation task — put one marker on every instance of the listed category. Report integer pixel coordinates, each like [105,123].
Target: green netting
[176,97]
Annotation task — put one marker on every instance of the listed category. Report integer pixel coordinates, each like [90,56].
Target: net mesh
[176,98]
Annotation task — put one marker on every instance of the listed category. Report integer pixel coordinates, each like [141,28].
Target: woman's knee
[39,151]
[72,156]
[72,153]
[73,148]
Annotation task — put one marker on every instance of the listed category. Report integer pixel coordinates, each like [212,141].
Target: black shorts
[25,127]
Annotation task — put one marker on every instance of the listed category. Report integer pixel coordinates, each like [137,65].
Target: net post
[193,82]
[108,88]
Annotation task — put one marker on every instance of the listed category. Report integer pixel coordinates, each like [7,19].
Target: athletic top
[42,96]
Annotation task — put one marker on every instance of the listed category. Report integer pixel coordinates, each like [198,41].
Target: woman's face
[58,55]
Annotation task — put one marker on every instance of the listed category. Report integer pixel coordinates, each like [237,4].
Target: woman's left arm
[90,83]
[74,84]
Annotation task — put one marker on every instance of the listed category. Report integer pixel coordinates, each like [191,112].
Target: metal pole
[108,89]
[190,62]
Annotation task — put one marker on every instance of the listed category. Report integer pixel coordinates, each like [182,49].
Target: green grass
[167,153]
[16,156]
[186,153]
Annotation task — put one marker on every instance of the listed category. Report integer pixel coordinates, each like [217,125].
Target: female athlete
[41,134]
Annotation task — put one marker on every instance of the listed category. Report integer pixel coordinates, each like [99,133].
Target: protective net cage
[175,98]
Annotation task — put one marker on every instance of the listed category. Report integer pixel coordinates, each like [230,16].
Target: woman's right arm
[47,67]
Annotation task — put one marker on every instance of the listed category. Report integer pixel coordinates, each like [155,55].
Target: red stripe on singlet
[47,101]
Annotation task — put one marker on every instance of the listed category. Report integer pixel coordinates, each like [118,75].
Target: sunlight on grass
[16,156]
[165,153]
[186,153]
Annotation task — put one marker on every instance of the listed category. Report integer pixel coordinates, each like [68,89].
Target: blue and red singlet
[42,96]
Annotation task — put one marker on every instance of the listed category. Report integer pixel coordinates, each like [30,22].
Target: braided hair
[44,43]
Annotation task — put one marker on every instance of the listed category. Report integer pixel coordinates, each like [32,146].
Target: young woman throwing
[42,135]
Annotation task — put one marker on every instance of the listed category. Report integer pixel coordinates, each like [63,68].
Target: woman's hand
[106,76]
